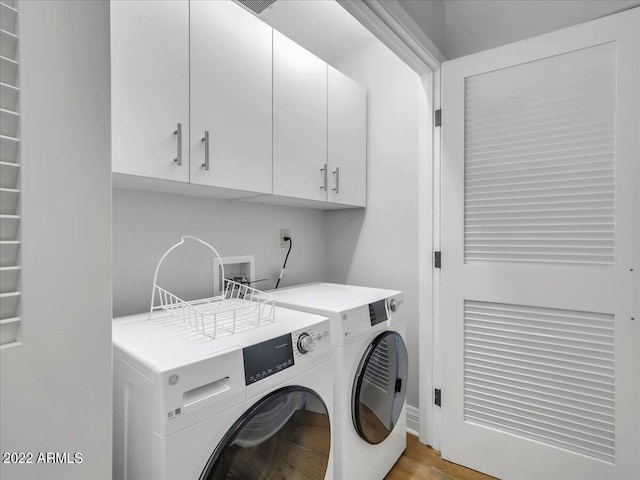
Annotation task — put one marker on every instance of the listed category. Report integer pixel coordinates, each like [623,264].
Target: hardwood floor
[424,463]
[298,451]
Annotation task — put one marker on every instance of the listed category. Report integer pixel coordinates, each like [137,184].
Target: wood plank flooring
[298,451]
[424,463]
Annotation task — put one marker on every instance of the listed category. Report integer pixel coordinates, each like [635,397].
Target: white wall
[477,25]
[378,247]
[146,224]
[56,385]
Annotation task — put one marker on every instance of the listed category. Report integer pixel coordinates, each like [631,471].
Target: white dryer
[252,405]
[370,373]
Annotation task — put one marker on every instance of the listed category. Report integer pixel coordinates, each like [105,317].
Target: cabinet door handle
[336,172]
[324,170]
[178,132]
[205,139]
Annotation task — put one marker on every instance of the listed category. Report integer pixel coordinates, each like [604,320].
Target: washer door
[380,387]
[284,435]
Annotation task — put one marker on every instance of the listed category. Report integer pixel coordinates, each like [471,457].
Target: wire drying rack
[239,307]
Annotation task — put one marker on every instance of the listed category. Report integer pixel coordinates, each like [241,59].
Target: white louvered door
[540,307]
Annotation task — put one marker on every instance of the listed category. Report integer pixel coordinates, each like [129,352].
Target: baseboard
[413,420]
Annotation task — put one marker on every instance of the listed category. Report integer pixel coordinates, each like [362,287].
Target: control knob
[393,306]
[305,343]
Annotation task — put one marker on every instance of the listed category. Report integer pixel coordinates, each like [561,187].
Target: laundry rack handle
[181,242]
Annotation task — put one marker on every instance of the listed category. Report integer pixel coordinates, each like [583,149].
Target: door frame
[394,27]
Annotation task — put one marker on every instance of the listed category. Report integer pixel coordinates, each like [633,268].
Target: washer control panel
[277,354]
[266,358]
[305,343]
[311,339]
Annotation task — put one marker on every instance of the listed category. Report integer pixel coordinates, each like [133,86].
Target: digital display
[377,312]
[264,359]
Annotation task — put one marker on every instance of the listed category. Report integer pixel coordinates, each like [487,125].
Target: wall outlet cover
[284,233]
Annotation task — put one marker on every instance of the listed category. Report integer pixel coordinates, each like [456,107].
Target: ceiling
[475,25]
[462,27]
[457,27]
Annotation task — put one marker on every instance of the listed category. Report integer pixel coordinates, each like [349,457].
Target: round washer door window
[285,435]
[380,387]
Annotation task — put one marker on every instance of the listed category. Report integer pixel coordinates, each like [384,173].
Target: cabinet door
[231,97]
[299,121]
[150,88]
[347,141]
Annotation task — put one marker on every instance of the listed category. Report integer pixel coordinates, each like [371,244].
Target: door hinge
[437,397]
[437,117]
[398,388]
[437,259]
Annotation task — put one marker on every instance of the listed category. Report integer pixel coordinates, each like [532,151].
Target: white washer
[370,373]
[241,406]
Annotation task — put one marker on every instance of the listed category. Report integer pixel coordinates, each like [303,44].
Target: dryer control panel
[359,323]
[378,312]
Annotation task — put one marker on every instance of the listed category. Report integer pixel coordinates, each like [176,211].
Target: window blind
[9,174]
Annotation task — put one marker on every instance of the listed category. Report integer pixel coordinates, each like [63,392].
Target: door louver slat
[539,156]
[541,373]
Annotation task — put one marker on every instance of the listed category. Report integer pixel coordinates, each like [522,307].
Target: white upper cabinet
[231,97]
[299,121]
[205,93]
[150,88]
[347,141]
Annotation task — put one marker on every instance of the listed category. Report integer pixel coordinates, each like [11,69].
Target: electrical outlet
[284,233]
